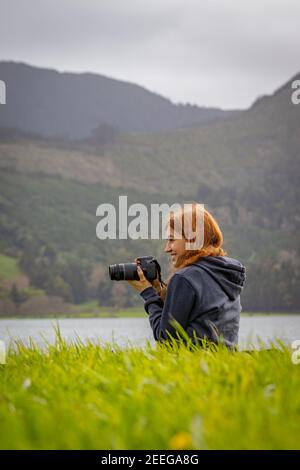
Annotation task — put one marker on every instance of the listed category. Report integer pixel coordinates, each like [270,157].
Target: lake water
[136,331]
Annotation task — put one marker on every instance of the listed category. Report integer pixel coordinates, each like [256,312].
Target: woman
[203,292]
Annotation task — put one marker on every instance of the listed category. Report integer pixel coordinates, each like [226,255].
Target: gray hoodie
[203,297]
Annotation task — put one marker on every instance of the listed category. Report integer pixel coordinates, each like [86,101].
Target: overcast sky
[221,53]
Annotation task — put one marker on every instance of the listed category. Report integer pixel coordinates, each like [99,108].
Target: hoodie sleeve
[178,304]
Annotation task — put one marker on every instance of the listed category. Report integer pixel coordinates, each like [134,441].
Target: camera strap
[162,283]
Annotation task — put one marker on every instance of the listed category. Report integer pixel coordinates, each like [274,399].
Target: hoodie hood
[229,273]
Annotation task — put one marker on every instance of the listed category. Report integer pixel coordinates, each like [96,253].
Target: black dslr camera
[128,271]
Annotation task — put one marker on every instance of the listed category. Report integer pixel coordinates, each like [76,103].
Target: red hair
[212,236]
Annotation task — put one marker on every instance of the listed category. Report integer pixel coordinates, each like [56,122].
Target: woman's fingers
[140,273]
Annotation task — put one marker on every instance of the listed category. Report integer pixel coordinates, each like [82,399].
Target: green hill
[244,169]
[52,103]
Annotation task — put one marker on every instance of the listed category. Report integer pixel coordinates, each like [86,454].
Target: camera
[128,271]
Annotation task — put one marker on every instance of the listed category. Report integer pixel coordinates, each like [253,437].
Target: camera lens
[116,272]
[123,272]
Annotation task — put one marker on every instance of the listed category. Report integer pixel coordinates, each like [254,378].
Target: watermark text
[2,352]
[295,97]
[2,92]
[138,222]
[296,354]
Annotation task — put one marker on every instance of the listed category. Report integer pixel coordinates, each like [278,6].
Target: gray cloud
[210,52]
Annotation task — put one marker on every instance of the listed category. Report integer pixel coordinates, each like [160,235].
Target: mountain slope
[48,102]
[246,170]
[239,152]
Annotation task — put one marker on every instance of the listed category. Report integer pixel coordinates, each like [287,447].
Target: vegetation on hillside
[245,170]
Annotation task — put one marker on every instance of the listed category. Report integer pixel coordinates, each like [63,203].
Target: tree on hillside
[104,134]
[16,296]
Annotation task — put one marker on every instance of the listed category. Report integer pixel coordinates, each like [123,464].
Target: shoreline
[123,314]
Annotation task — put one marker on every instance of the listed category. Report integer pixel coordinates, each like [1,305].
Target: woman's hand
[143,283]
[156,285]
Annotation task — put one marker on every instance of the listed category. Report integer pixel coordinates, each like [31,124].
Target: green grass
[99,396]
[8,267]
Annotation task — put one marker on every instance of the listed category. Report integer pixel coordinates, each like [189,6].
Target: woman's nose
[167,247]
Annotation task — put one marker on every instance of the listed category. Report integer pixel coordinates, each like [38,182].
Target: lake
[136,331]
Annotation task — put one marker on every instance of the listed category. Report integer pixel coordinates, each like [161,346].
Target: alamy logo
[2,353]
[153,224]
[296,354]
[2,92]
[296,94]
